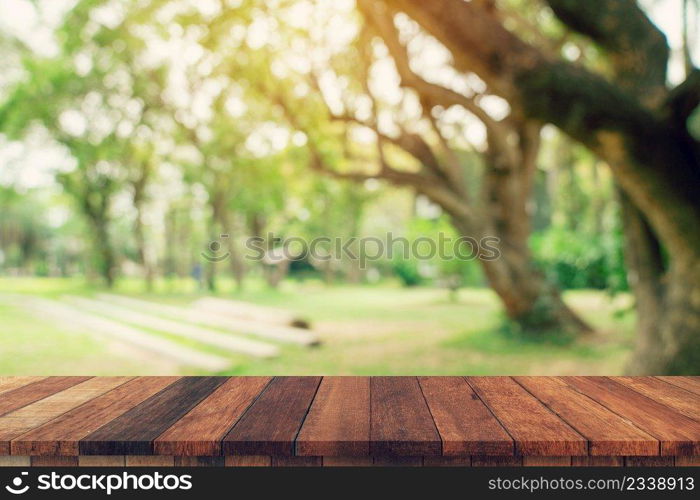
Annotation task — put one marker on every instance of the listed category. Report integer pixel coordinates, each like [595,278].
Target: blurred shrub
[575,260]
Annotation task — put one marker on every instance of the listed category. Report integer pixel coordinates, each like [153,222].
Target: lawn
[383,329]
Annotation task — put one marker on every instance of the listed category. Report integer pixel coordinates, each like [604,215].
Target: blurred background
[134,134]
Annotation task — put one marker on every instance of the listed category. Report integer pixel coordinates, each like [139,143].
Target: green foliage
[575,260]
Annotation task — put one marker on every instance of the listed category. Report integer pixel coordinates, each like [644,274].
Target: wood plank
[149,461]
[401,423]
[607,433]
[447,461]
[272,423]
[248,461]
[338,421]
[597,461]
[199,433]
[11,383]
[190,461]
[29,417]
[22,396]
[496,461]
[296,461]
[685,402]
[678,434]
[133,432]
[689,461]
[102,461]
[691,384]
[60,436]
[8,461]
[355,461]
[54,461]
[546,461]
[649,462]
[466,425]
[397,461]
[536,430]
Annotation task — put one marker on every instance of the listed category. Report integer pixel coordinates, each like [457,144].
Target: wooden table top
[350,416]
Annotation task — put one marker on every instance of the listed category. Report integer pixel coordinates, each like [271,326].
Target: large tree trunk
[634,123]
[106,261]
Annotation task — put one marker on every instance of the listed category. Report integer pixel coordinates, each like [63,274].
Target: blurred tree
[630,118]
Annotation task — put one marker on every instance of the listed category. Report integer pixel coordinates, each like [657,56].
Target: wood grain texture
[607,433]
[689,461]
[54,461]
[546,461]
[447,461]
[133,432]
[149,461]
[355,461]
[691,384]
[536,430]
[200,431]
[61,436]
[8,384]
[649,462]
[466,425]
[102,461]
[496,461]
[397,461]
[678,434]
[271,424]
[296,461]
[27,394]
[248,461]
[597,461]
[401,423]
[338,423]
[28,417]
[681,400]
[190,461]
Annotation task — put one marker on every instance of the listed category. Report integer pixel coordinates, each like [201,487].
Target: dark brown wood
[248,461]
[496,461]
[536,430]
[649,461]
[546,461]
[678,434]
[27,394]
[272,423]
[607,433]
[598,461]
[28,417]
[338,421]
[200,432]
[190,461]
[401,423]
[133,432]
[447,461]
[691,384]
[8,384]
[681,400]
[60,437]
[286,461]
[466,425]
[397,461]
[347,461]
[54,461]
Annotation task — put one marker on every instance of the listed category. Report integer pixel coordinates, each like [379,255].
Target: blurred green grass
[366,330]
